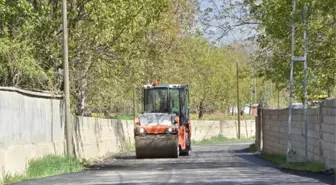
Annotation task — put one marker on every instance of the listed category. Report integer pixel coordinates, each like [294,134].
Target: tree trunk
[329,92]
[82,96]
[250,110]
[1,29]
[278,99]
[201,110]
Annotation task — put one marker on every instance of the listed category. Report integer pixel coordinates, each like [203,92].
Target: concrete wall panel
[321,133]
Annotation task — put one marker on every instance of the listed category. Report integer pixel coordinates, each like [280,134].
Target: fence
[272,133]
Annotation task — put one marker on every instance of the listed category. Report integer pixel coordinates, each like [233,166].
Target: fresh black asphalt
[207,164]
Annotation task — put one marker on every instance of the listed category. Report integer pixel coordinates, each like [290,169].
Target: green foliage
[114,48]
[123,117]
[252,148]
[277,159]
[273,57]
[127,147]
[10,179]
[311,166]
[220,139]
[52,165]
[268,24]
[212,75]
[49,165]
[281,161]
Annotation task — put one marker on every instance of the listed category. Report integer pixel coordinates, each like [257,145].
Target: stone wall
[321,133]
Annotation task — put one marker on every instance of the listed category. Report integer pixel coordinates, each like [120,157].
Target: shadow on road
[125,156]
[254,158]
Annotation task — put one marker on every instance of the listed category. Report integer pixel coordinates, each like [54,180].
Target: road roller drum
[157,146]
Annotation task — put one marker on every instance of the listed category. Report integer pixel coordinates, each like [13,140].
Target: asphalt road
[207,164]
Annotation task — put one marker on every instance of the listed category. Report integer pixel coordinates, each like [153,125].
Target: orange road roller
[163,130]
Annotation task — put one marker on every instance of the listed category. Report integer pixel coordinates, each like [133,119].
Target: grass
[123,117]
[310,166]
[252,148]
[280,160]
[128,147]
[220,139]
[277,159]
[9,179]
[49,165]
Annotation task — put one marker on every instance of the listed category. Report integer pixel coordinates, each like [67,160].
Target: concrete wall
[205,129]
[32,126]
[96,137]
[321,133]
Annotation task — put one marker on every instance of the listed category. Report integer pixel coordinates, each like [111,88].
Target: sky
[231,36]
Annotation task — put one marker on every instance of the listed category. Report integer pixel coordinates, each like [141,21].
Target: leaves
[115,47]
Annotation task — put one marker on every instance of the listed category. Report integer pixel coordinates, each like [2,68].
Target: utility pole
[305,83]
[289,146]
[68,124]
[238,109]
[298,59]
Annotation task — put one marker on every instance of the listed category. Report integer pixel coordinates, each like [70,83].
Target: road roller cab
[163,129]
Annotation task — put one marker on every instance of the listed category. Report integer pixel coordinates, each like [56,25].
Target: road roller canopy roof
[151,86]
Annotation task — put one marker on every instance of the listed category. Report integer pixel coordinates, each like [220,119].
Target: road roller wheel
[138,156]
[185,152]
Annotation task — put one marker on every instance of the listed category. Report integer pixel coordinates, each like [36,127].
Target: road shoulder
[256,158]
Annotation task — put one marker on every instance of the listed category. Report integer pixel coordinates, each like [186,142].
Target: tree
[270,24]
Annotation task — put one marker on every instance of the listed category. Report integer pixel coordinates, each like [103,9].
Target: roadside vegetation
[115,48]
[49,165]
[252,148]
[221,139]
[267,24]
[280,160]
[128,147]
